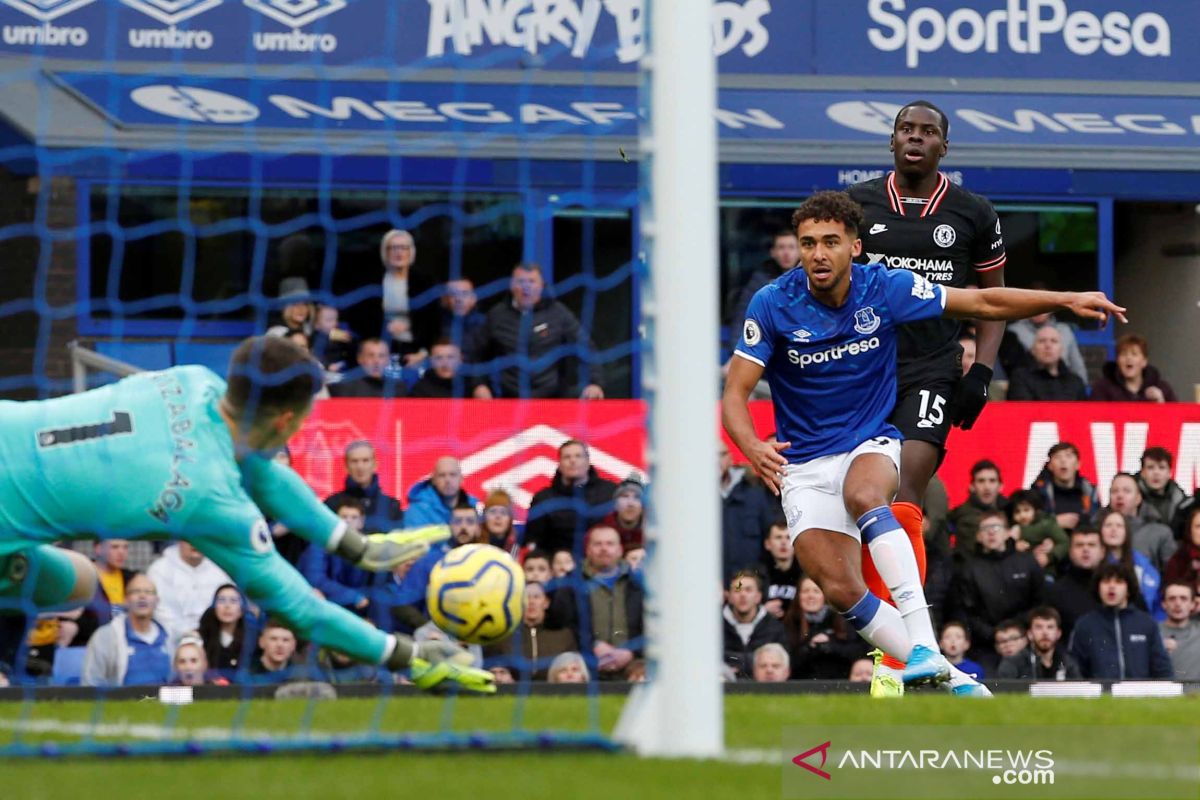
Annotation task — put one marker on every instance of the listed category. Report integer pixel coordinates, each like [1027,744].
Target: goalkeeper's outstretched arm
[284,496]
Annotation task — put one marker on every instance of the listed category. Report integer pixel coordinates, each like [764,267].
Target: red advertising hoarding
[512,444]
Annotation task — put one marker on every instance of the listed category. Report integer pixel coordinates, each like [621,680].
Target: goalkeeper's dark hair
[268,375]
[832,207]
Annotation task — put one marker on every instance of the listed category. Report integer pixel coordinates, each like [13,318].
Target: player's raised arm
[1007,303]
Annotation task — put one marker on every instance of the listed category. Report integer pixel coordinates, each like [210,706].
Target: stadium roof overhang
[132,108]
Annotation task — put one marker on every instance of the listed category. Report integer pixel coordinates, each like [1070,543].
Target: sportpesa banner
[512,445]
[1082,39]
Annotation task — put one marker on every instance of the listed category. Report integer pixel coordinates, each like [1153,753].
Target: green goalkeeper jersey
[151,457]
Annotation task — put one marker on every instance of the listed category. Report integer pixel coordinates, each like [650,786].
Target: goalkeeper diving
[181,454]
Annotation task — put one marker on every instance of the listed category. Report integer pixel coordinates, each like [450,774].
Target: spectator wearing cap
[627,513]
[1131,377]
[1069,496]
[381,511]
[576,499]
[498,522]
[1047,378]
[297,312]
[532,329]
[410,312]
[1118,640]
[444,377]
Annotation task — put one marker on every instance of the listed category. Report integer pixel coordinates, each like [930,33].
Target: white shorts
[812,491]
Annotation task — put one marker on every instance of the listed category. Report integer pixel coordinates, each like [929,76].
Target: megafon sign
[1025,28]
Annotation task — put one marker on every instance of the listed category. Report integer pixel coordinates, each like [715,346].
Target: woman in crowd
[822,644]
[1114,535]
[223,631]
[410,320]
[568,668]
[190,664]
[498,521]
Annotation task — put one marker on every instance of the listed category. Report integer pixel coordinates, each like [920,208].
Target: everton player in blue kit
[824,336]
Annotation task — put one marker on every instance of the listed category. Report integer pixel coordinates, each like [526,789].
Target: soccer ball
[475,594]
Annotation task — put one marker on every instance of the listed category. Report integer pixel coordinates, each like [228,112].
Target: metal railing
[83,359]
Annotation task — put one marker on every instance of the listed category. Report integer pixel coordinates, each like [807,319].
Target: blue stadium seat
[147,355]
[214,355]
[68,666]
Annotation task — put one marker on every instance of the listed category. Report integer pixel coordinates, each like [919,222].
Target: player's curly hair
[833,206]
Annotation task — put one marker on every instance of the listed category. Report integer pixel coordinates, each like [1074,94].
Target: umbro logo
[801,335]
[877,228]
[296,13]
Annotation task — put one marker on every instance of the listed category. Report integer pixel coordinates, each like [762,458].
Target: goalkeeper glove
[970,396]
[436,664]
[380,552]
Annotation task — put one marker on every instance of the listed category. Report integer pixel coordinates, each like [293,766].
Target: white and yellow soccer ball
[476,594]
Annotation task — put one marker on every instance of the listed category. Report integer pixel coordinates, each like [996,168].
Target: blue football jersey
[832,371]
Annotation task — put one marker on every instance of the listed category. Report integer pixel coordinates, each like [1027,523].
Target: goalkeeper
[180,454]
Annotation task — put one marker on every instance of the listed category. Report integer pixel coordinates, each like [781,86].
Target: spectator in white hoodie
[186,582]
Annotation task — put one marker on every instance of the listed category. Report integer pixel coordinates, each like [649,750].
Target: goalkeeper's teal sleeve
[285,497]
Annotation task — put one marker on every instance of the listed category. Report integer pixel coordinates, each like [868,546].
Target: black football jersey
[946,239]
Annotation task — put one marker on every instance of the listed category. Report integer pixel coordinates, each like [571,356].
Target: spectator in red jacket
[1184,566]
[627,514]
[1131,377]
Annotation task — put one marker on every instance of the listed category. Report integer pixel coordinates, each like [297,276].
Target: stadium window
[1056,243]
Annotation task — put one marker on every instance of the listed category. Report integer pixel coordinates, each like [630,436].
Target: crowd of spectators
[430,339]
[1045,583]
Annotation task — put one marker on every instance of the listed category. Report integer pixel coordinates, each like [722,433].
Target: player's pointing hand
[1094,305]
[768,464]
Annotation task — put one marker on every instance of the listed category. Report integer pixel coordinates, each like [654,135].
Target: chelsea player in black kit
[916,219]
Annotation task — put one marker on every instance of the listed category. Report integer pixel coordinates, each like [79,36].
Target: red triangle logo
[823,749]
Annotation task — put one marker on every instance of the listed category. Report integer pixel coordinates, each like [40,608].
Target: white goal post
[679,712]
